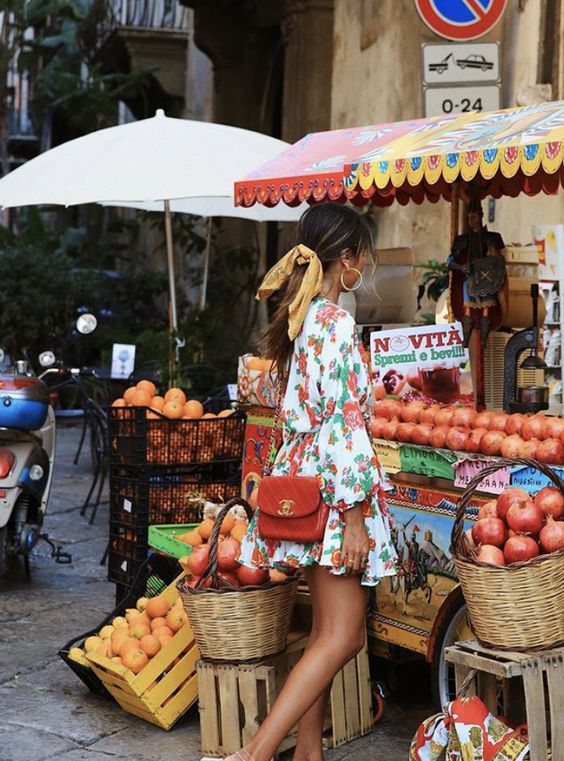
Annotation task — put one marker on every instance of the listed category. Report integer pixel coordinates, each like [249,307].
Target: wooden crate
[235,699]
[525,687]
[163,690]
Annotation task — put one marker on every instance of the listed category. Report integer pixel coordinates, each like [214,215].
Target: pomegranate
[532,428]
[412,411]
[421,434]
[464,417]
[491,442]
[474,440]
[429,413]
[552,536]
[520,548]
[414,378]
[228,579]
[515,423]
[437,437]
[389,430]
[554,427]
[444,416]
[490,555]
[525,517]
[456,439]
[198,560]
[489,531]
[498,421]
[507,498]
[551,502]
[393,382]
[529,448]
[512,446]
[404,432]
[253,577]
[227,554]
[376,426]
[551,451]
[488,510]
[483,419]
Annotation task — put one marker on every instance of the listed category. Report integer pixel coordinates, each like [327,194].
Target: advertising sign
[426,362]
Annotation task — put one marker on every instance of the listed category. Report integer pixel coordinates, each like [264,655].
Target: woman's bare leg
[309,745]
[341,627]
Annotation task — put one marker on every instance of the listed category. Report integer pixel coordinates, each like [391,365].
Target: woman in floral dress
[316,348]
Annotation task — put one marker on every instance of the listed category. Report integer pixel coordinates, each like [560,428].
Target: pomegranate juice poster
[426,362]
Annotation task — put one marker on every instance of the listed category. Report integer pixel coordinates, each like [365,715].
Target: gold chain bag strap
[290,507]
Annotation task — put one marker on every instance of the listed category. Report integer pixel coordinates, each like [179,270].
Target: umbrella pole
[172,314]
[206,266]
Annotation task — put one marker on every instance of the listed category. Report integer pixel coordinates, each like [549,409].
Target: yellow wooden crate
[167,686]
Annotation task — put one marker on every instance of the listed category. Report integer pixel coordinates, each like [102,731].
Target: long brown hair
[328,229]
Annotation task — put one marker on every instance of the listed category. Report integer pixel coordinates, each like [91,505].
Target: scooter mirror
[46,359]
[86,323]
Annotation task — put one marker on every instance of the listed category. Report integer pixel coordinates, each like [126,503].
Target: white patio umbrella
[156,164]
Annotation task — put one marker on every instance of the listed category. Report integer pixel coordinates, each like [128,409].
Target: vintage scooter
[27,451]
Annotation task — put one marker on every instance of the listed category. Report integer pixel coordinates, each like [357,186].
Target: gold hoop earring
[358,283]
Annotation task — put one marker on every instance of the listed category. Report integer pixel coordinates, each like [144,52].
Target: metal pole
[206,266]
[170,259]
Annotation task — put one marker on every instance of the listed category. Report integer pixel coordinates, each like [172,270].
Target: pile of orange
[173,404]
[133,639]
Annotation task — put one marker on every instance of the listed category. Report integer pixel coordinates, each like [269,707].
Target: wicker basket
[242,625]
[518,607]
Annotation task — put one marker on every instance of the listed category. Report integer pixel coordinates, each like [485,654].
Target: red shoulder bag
[290,507]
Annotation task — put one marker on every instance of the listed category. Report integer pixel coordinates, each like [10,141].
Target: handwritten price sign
[492,484]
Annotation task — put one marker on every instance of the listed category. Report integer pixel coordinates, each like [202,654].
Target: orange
[193,409]
[135,659]
[228,524]
[239,530]
[119,403]
[164,639]
[208,416]
[173,409]
[163,631]
[118,637]
[157,403]
[254,363]
[140,398]
[175,619]
[138,630]
[157,607]
[150,645]
[129,643]
[205,528]
[175,395]
[152,415]
[128,394]
[157,622]
[225,413]
[193,538]
[148,386]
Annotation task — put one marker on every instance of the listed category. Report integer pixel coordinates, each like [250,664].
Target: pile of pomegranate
[514,528]
[463,429]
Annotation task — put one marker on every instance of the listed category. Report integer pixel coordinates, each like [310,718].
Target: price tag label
[127,505]
[492,484]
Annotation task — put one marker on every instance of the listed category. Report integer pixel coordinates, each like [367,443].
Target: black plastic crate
[139,440]
[153,576]
[140,497]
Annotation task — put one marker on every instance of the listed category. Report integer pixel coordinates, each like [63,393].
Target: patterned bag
[467,731]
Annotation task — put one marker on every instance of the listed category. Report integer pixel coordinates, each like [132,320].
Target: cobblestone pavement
[47,713]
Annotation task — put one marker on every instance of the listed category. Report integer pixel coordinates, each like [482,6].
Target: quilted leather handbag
[290,507]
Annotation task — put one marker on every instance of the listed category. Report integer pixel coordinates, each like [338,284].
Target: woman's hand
[356,545]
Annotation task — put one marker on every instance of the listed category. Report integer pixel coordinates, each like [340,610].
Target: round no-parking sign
[460,19]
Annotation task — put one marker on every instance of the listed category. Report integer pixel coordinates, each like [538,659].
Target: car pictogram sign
[460,19]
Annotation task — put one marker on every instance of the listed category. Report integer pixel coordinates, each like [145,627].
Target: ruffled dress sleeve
[348,468]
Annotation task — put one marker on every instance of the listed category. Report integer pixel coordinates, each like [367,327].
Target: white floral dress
[325,435]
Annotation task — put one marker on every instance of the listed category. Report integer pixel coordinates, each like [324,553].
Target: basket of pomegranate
[511,562]
[238,614]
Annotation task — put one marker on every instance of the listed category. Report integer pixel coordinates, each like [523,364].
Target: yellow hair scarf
[309,288]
